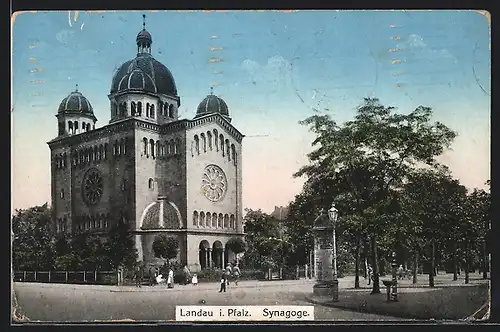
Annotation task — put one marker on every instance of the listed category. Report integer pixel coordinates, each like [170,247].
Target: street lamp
[326,254]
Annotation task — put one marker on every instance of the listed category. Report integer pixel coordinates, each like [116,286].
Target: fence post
[95,276]
[66,273]
[24,275]
[84,276]
[49,275]
[298,272]
[306,273]
[35,276]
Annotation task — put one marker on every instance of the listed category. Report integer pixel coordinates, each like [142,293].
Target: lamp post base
[327,289]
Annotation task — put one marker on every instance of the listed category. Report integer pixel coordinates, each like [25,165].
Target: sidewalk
[308,283]
[448,300]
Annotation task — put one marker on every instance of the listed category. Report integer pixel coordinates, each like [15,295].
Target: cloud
[415,43]
[64,36]
[277,71]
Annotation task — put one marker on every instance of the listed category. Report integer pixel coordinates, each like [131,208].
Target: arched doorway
[204,255]
[218,254]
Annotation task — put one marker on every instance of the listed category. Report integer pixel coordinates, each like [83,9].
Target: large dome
[212,104]
[76,102]
[161,77]
[137,80]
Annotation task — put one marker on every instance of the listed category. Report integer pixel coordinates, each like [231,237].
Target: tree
[32,245]
[166,247]
[371,156]
[435,203]
[479,204]
[259,228]
[120,247]
[236,245]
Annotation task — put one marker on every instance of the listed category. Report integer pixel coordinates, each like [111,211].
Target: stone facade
[159,174]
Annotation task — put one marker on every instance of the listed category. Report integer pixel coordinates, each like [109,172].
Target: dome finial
[76,90]
[143,22]
[211,90]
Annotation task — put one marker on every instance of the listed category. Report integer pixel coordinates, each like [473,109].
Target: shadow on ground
[444,303]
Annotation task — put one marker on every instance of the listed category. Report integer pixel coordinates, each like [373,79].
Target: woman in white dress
[170,279]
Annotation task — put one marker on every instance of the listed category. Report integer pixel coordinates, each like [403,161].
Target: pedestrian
[194,280]
[400,272]
[187,275]
[138,276]
[223,282]
[170,279]
[228,272]
[236,274]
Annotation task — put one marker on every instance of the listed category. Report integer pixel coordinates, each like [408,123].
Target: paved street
[58,302]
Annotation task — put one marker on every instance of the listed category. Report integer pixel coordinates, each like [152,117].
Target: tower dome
[158,73]
[75,102]
[212,104]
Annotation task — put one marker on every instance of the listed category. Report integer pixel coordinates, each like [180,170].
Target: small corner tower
[213,104]
[75,115]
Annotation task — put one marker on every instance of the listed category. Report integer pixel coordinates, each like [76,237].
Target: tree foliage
[166,247]
[236,245]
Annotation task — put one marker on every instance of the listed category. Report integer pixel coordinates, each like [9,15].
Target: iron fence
[71,277]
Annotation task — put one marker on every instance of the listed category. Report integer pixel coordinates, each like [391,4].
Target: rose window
[214,183]
[92,187]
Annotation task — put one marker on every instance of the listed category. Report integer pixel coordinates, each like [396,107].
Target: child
[223,282]
[194,280]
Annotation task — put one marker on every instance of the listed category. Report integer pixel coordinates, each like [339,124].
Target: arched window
[115,148]
[168,147]
[209,139]
[203,142]
[232,223]
[158,149]
[197,144]
[195,218]
[96,153]
[176,145]
[171,111]
[133,108]
[125,143]
[209,219]
[165,109]
[88,126]
[120,147]
[233,152]
[76,127]
[105,152]
[145,146]
[152,111]
[139,108]
[221,139]
[70,127]
[226,221]
[160,108]
[101,152]
[216,140]
[152,147]
[84,127]
[214,220]
[151,184]
[87,155]
[80,157]
[202,219]
[220,220]
[147,110]
[74,157]
[228,150]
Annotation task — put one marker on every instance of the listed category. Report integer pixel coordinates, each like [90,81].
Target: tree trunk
[356,267]
[415,267]
[433,262]
[376,281]
[467,267]
[485,260]
[365,272]
[455,263]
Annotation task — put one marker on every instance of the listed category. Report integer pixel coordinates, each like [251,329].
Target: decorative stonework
[92,187]
[214,183]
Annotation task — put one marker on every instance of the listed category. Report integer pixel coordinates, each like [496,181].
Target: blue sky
[272,68]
